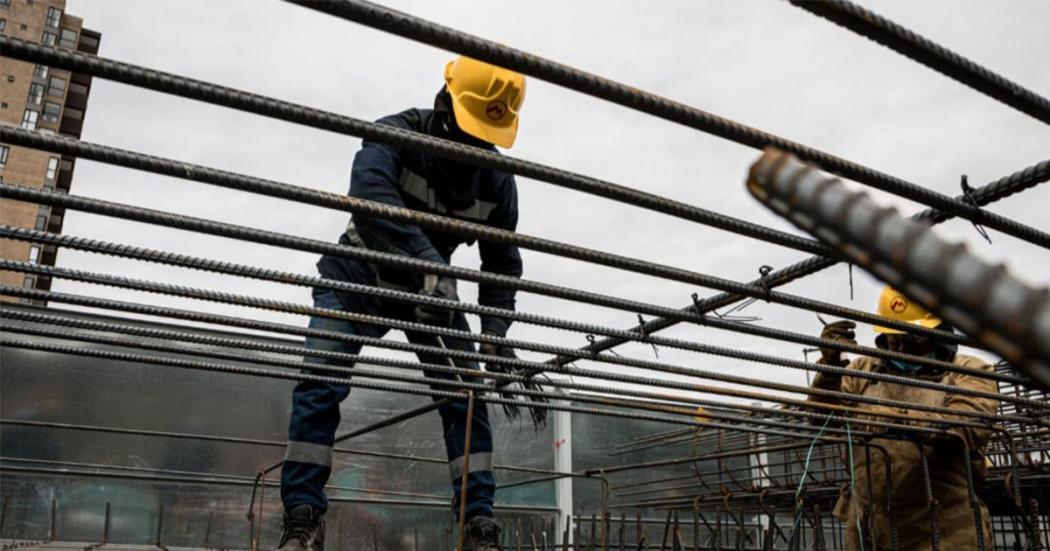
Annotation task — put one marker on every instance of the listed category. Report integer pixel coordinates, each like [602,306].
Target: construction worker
[478,106]
[962,521]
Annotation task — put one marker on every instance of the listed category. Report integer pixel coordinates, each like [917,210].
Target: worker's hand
[490,349]
[841,331]
[537,413]
[438,287]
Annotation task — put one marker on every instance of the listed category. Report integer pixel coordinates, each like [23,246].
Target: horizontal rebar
[473,356]
[269,107]
[166,336]
[414,298]
[532,367]
[912,45]
[256,442]
[685,413]
[984,301]
[84,150]
[421,30]
[358,372]
[991,192]
[211,227]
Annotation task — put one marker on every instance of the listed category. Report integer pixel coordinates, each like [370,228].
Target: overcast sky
[763,63]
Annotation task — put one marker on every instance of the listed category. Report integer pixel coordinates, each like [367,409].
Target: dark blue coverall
[406,178]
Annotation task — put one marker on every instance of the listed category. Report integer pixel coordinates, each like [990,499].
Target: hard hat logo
[898,304]
[496,110]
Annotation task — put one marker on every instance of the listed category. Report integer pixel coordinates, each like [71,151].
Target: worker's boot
[482,535]
[303,530]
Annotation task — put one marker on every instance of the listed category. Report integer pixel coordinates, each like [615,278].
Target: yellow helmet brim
[503,136]
[928,322]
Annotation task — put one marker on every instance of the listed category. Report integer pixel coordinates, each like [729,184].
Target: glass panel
[52,168]
[56,87]
[49,38]
[69,39]
[29,119]
[36,94]
[52,111]
[54,17]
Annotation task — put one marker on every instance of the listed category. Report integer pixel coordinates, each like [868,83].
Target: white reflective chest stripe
[418,187]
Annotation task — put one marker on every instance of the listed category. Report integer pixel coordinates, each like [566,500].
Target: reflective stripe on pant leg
[481,461]
[308,452]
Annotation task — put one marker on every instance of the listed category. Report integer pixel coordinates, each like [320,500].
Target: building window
[56,87]
[77,88]
[5,2]
[29,119]
[54,17]
[36,94]
[74,113]
[49,38]
[41,222]
[34,254]
[10,78]
[40,71]
[30,282]
[4,151]
[3,25]
[69,39]
[52,111]
[52,168]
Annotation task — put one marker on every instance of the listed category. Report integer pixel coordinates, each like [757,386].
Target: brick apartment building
[47,100]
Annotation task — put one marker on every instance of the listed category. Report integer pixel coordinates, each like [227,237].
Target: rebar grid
[776,469]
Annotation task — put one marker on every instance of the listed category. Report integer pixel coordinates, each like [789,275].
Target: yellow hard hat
[485,99]
[894,305]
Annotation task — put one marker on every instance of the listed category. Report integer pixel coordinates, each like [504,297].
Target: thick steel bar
[469,356]
[269,107]
[260,442]
[283,240]
[85,150]
[984,301]
[415,28]
[191,475]
[909,44]
[664,400]
[228,298]
[1002,188]
[289,278]
[685,413]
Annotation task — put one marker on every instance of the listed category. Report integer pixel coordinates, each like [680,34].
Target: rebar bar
[909,44]
[80,149]
[421,30]
[983,301]
[269,107]
[989,193]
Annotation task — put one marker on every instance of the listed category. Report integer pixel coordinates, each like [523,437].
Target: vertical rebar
[105,525]
[160,525]
[935,520]
[52,533]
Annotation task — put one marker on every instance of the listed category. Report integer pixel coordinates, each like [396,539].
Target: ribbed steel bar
[997,190]
[714,409]
[909,44]
[230,321]
[684,415]
[421,30]
[984,301]
[266,274]
[659,401]
[281,444]
[312,245]
[293,308]
[84,150]
[269,107]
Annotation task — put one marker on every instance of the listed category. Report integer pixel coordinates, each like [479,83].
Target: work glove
[841,331]
[537,414]
[438,287]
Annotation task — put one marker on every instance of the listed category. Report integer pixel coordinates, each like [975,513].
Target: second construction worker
[478,106]
[953,460]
